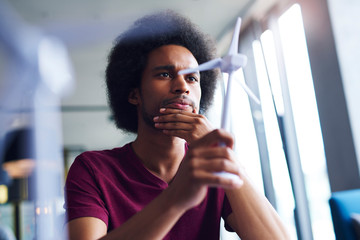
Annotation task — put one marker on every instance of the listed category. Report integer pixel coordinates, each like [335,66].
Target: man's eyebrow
[164,67]
[168,67]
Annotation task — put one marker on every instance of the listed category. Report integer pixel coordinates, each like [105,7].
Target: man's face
[162,87]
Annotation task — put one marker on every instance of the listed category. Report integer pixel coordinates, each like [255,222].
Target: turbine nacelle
[233,62]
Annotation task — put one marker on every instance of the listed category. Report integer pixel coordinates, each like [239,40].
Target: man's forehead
[171,56]
[169,50]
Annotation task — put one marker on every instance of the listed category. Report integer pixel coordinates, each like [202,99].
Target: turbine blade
[203,67]
[234,46]
[249,92]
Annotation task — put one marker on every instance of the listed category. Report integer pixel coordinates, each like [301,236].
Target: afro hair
[128,58]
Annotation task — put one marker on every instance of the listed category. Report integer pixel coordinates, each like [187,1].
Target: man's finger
[217,165]
[174,126]
[212,180]
[174,117]
[173,110]
[214,138]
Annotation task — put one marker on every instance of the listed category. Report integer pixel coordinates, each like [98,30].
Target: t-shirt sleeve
[82,194]
[226,211]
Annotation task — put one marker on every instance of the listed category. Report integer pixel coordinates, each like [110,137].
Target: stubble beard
[148,118]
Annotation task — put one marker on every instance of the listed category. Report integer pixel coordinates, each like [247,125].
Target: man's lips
[178,106]
[179,103]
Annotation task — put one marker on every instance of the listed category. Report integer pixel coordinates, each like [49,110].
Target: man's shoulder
[105,156]
[102,161]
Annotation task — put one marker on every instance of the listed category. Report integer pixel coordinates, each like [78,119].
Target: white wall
[345,19]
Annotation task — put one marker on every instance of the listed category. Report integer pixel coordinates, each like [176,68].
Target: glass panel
[280,175]
[306,120]
[242,126]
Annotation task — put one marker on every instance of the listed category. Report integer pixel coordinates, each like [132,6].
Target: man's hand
[19,168]
[183,124]
[196,172]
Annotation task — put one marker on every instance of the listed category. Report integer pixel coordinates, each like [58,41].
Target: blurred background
[300,145]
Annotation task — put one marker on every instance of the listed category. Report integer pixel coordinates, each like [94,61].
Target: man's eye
[164,75]
[192,79]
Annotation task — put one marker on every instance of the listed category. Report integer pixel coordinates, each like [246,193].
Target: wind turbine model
[228,64]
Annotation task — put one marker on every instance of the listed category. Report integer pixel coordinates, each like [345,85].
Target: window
[291,77]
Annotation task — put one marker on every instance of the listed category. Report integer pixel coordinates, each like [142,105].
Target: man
[162,185]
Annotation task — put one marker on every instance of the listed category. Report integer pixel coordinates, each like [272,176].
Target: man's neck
[159,153]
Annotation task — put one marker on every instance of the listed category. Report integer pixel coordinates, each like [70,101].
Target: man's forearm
[253,216]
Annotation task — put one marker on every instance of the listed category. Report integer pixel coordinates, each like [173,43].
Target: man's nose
[180,85]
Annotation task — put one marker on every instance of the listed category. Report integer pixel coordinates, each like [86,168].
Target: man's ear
[134,96]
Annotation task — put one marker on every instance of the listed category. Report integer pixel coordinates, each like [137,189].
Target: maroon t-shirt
[113,185]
